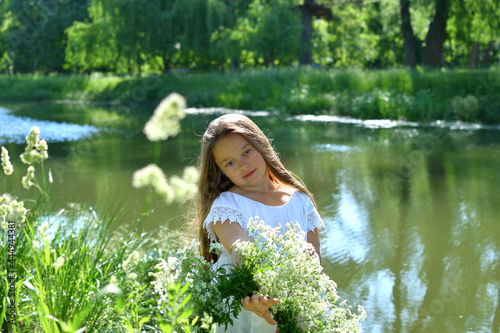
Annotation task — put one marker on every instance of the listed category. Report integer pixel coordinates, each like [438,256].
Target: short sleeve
[223,213]
[314,220]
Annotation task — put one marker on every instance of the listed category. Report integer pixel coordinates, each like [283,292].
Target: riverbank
[389,94]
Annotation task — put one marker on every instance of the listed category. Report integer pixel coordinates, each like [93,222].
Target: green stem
[44,182]
[157,153]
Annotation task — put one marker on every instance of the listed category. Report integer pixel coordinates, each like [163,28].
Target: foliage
[391,94]
[137,36]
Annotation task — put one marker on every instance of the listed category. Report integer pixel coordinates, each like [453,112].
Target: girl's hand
[260,306]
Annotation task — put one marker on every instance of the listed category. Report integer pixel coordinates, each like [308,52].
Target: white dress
[239,209]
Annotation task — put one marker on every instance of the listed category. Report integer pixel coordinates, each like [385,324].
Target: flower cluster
[8,169]
[11,210]
[36,149]
[165,120]
[29,180]
[276,264]
[176,188]
[186,267]
[286,267]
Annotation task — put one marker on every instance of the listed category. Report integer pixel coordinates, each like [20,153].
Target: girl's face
[240,161]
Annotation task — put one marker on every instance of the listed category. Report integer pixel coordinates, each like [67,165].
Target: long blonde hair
[213,182]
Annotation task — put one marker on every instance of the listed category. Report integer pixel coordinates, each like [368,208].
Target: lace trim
[314,221]
[223,214]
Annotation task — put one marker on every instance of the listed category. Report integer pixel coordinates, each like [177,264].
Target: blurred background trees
[136,36]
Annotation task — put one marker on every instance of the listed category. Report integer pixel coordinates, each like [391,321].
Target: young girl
[242,177]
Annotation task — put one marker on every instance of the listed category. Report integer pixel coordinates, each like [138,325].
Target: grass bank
[391,94]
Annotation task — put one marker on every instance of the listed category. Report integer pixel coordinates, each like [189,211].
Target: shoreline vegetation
[398,94]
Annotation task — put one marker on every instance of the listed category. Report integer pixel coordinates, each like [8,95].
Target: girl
[242,177]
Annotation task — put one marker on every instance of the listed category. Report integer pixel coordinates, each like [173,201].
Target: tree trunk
[12,61]
[487,54]
[409,39]
[305,57]
[166,62]
[434,42]
[474,56]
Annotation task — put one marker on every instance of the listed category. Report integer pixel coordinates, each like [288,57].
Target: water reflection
[411,211]
[13,129]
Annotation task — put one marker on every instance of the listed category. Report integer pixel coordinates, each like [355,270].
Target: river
[412,211]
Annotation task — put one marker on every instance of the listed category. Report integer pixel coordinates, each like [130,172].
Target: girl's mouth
[250,174]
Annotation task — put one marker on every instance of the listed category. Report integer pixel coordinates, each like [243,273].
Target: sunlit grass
[395,93]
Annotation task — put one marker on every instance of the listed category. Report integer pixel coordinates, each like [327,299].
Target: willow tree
[164,28]
[92,45]
[35,35]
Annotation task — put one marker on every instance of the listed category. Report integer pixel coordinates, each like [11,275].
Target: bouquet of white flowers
[275,264]
[286,267]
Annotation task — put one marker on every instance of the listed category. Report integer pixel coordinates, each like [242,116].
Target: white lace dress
[236,208]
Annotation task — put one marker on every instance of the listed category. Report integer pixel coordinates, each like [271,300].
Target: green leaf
[142,321]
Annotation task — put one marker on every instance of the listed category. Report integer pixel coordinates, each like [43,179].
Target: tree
[409,39]
[36,39]
[432,52]
[305,57]
[309,9]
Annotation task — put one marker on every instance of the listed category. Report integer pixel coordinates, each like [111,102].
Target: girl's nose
[243,165]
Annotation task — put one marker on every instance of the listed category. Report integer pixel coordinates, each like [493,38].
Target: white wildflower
[58,263]
[153,176]
[43,230]
[185,187]
[134,257]
[132,260]
[36,149]
[4,225]
[165,121]
[131,276]
[12,210]
[216,248]
[113,280]
[207,322]
[8,169]
[29,179]
[36,245]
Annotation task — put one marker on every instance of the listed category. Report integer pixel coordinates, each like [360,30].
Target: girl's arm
[313,238]
[228,234]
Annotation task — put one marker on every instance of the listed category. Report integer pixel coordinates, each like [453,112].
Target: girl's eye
[246,152]
[229,163]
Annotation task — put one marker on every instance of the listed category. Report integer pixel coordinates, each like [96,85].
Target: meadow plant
[165,120]
[286,267]
[12,210]
[188,269]
[165,123]
[74,272]
[36,149]
[8,169]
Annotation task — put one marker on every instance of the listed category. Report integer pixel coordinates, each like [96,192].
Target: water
[411,210]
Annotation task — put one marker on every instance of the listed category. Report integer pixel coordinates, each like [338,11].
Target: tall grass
[75,272]
[394,94]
